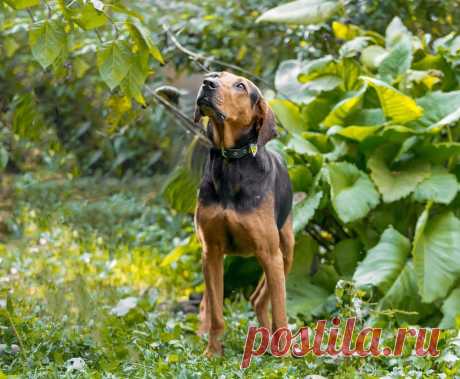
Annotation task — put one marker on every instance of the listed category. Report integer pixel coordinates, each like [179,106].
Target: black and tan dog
[245,201]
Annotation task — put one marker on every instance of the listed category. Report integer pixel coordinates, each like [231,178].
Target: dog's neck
[223,138]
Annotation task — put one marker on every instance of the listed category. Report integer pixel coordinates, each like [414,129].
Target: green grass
[77,248]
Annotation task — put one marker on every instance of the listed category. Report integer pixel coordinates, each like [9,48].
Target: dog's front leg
[213,270]
[273,267]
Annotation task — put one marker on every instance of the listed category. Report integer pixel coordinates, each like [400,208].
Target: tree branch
[186,122]
[200,58]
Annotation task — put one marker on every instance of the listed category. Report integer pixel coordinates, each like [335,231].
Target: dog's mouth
[208,108]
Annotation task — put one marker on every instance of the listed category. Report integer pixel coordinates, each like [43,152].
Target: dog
[244,202]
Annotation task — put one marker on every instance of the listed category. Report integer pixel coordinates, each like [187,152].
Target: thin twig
[15,332]
[185,120]
[50,13]
[392,312]
[196,57]
[31,15]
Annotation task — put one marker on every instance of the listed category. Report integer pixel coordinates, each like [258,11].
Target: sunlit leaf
[343,109]
[140,31]
[22,4]
[345,31]
[397,107]
[88,17]
[395,32]
[288,114]
[354,47]
[302,12]
[287,85]
[124,306]
[358,133]
[397,62]
[373,55]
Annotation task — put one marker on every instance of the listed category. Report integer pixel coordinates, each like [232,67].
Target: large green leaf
[398,61]
[396,183]
[287,85]
[22,4]
[302,12]
[354,47]
[366,117]
[135,78]
[343,109]
[324,66]
[439,187]
[384,262]
[397,107]
[141,33]
[372,56]
[352,192]
[113,62]
[305,210]
[439,152]
[436,254]
[451,310]
[346,255]
[437,106]
[395,32]
[301,178]
[358,133]
[403,296]
[27,120]
[302,146]
[180,190]
[303,297]
[288,114]
[88,17]
[47,41]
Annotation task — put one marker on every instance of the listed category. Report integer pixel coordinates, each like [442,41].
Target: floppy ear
[266,123]
[197,114]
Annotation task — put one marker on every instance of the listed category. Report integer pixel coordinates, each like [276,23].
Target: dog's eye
[240,85]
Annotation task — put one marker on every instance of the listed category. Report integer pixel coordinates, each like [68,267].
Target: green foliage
[376,154]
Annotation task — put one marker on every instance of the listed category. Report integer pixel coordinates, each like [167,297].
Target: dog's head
[235,107]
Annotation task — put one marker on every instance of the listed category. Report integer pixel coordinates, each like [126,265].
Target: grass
[95,282]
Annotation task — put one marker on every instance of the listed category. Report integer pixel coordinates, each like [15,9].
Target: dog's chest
[227,229]
[239,185]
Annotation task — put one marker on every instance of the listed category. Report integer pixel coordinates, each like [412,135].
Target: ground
[96,278]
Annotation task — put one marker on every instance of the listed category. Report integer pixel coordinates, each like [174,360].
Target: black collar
[238,153]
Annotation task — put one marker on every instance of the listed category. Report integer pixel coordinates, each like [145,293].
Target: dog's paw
[214,351]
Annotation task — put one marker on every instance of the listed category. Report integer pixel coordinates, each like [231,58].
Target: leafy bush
[371,143]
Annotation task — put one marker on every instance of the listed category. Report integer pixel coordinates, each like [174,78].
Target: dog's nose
[210,83]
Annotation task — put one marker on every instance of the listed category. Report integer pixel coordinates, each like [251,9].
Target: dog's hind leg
[256,292]
[204,319]
[287,241]
[260,301]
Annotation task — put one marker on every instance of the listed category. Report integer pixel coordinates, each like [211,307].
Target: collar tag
[253,149]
